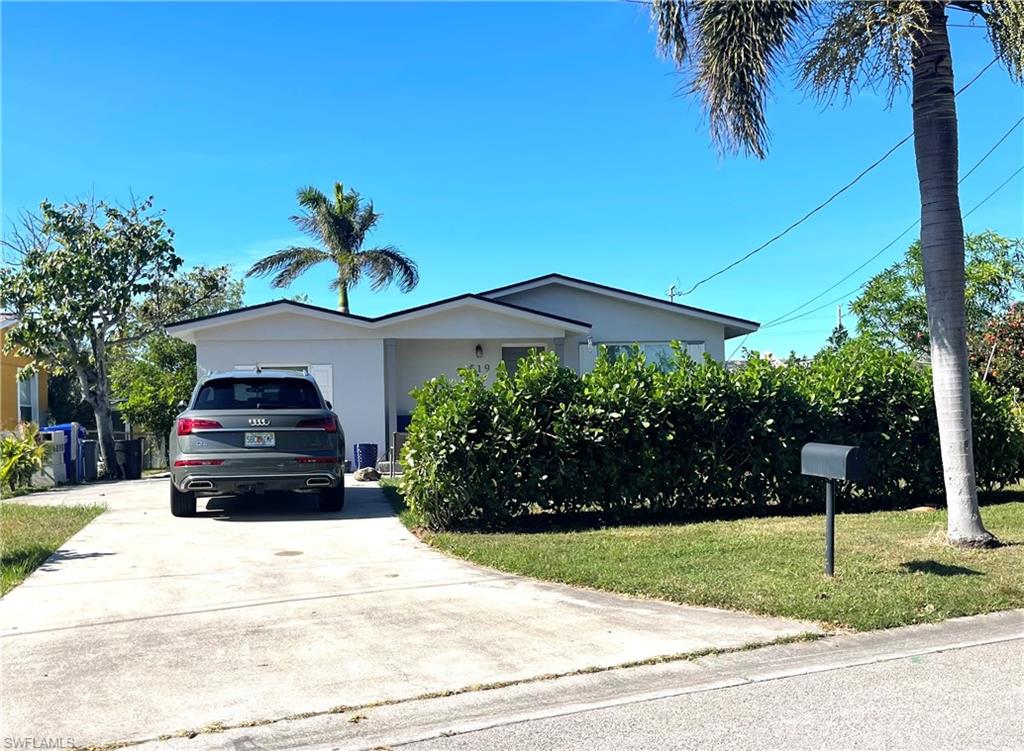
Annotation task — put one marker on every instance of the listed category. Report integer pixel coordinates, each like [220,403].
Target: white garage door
[324,376]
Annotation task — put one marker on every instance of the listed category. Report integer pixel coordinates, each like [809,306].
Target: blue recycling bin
[74,435]
[365,455]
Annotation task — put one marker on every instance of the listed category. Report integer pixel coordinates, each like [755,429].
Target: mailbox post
[830,527]
[833,462]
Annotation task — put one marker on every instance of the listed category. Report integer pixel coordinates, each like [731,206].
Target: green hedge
[630,441]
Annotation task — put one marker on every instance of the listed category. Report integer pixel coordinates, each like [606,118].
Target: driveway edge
[475,708]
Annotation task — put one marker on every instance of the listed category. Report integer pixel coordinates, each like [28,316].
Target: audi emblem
[259,422]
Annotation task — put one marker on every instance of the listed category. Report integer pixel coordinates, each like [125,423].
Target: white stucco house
[367,366]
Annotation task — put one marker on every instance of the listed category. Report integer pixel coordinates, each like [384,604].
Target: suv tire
[182,503]
[333,499]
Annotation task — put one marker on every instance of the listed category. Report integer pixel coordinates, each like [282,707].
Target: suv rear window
[258,393]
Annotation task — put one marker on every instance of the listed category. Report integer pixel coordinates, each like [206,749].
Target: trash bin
[365,455]
[89,449]
[129,457]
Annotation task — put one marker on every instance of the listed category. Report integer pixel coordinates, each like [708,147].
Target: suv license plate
[259,440]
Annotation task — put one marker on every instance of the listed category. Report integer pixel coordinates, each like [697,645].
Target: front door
[511,355]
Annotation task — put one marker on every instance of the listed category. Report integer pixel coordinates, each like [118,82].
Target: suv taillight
[188,425]
[324,423]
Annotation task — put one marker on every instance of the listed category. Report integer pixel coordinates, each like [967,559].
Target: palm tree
[340,227]
[734,52]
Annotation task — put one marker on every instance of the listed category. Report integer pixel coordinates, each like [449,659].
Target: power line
[828,200]
[846,295]
[989,152]
[896,239]
[1002,185]
[801,220]
[779,322]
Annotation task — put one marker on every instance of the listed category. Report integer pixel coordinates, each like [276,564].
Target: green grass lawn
[30,534]
[892,568]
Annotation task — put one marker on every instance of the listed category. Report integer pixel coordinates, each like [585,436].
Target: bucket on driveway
[365,455]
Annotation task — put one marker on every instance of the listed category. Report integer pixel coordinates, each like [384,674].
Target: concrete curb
[423,719]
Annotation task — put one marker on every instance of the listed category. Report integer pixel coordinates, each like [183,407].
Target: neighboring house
[367,366]
[21,399]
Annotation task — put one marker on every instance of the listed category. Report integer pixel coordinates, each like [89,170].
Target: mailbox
[833,461]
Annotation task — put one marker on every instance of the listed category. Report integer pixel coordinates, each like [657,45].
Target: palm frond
[348,269]
[340,225]
[859,44]
[733,50]
[366,219]
[671,18]
[312,199]
[287,264]
[388,264]
[1005,21]
[739,47]
[322,220]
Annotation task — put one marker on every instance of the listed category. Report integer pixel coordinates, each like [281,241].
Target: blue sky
[499,141]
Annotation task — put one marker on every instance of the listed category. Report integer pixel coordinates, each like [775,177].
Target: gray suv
[254,431]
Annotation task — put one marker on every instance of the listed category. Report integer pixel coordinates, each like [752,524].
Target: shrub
[21,455]
[630,440]
[998,431]
[882,401]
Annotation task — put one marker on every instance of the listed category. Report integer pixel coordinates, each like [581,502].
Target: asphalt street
[967,698]
[951,685]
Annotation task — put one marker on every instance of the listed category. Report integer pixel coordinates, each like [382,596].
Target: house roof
[7,320]
[489,299]
[737,325]
[474,300]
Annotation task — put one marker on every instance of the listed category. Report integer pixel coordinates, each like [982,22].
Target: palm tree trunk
[942,249]
[342,296]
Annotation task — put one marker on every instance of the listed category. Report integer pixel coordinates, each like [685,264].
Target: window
[657,353]
[28,403]
[695,350]
[258,393]
[511,355]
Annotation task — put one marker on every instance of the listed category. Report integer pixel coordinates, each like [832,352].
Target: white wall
[470,322]
[275,324]
[618,320]
[357,368]
[418,361]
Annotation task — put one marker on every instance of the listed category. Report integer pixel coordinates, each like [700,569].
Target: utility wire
[846,295]
[801,220]
[989,152]
[828,200]
[1002,185]
[901,234]
[779,322]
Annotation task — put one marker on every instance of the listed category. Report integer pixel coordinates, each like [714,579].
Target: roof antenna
[672,291]
[259,368]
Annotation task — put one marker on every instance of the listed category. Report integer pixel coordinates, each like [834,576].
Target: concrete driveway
[144,624]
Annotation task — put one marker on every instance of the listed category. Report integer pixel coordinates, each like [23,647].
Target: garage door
[324,376]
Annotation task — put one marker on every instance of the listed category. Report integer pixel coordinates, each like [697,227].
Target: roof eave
[186,329]
[674,307]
